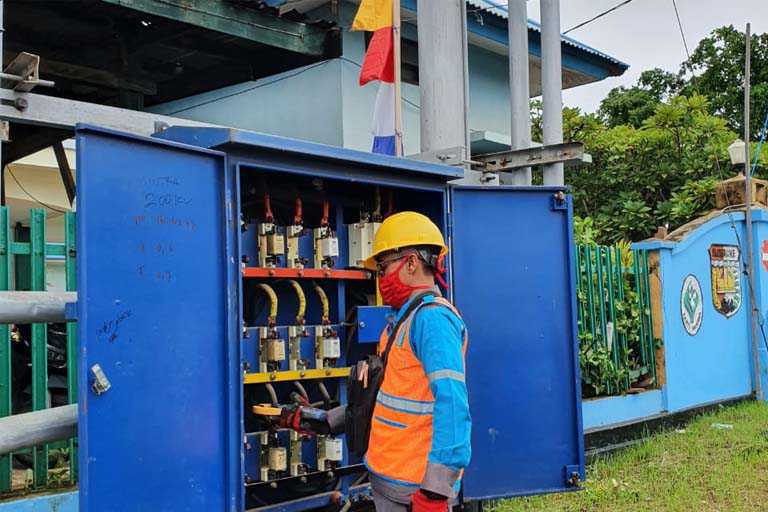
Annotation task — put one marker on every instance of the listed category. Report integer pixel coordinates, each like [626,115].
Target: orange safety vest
[401,427]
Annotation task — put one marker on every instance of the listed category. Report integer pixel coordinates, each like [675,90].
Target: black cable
[682,32]
[406,100]
[258,86]
[604,13]
[33,197]
[727,210]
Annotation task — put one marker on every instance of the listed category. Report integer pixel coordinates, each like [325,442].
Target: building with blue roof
[323,102]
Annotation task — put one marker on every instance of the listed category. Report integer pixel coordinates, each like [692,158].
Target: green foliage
[584,231]
[718,66]
[609,366]
[634,105]
[660,146]
[662,173]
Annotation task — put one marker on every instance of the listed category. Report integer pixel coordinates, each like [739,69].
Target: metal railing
[618,347]
[24,253]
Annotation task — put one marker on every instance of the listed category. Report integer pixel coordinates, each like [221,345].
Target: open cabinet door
[156,320]
[514,284]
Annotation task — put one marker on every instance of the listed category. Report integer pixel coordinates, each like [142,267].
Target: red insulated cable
[326,209]
[297,216]
[268,217]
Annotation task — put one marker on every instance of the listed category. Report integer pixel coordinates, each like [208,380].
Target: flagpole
[398,92]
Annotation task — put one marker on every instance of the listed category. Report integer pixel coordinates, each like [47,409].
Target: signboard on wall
[764,254]
[691,305]
[725,267]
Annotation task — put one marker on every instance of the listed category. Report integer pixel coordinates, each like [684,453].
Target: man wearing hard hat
[420,430]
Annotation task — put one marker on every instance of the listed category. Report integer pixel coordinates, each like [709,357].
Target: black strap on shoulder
[416,302]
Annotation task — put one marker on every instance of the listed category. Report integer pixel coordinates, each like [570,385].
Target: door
[155,326]
[513,283]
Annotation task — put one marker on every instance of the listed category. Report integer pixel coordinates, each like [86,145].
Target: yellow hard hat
[405,229]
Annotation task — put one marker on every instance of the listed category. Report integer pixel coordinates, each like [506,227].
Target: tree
[663,172]
[717,66]
[632,106]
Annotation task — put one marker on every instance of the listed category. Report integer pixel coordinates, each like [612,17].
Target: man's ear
[413,263]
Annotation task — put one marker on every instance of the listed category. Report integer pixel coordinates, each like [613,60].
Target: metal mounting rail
[42,110]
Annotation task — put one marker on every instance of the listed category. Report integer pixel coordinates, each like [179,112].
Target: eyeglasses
[381,266]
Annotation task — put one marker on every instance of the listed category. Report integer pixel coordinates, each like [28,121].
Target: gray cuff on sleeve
[440,479]
[336,419]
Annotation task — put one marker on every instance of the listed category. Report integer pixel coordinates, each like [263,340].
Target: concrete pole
[552,85]
[2,168]
[519,88]
[441,74]
[750,260]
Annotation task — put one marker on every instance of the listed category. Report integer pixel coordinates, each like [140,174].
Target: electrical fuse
[278,459]
[293,233]
[295,334]
[331,348]
[329,247]
[271,245]
[271,349]
[275,351]
[329,452]
[326,247]
[297,465]
[264,456]
[361,236]
[327,346]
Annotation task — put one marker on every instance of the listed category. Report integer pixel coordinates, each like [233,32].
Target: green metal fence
[23,256]
[618,347]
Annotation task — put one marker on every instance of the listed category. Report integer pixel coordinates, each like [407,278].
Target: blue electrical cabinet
[183,329]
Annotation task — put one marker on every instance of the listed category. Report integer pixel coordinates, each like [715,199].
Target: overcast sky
[644,34]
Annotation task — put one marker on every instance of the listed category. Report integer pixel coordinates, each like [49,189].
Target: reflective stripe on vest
[401,429]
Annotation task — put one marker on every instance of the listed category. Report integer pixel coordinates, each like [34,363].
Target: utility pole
[2,168]
[750,262]
[396,34]
[443,75]
[552,85]
[520,94]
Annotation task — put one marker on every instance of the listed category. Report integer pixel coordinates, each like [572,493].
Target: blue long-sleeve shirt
[436,338]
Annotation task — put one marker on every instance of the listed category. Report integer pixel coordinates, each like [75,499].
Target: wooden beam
[65,170]
[245,23]
[26,139]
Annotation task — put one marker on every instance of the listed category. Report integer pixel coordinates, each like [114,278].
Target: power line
[405,100]
[253,88]
[682,32]
[31,196]
[604,13]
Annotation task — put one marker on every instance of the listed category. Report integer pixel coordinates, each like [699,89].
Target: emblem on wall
[764,254]
[725,267]
[691,304]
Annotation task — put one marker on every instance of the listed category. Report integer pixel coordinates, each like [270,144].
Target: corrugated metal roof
[500,10]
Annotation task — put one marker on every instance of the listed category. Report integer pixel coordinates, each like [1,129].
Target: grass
[699,468]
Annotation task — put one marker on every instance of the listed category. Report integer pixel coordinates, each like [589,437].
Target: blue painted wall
[760,237]
[63,502]
[715,364]
[324,103]
[304,103]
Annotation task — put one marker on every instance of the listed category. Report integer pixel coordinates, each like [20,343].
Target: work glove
[426,501]
[305,420]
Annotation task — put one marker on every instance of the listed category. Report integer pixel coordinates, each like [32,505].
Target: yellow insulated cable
[272,301]
[324,301]
[302,301]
